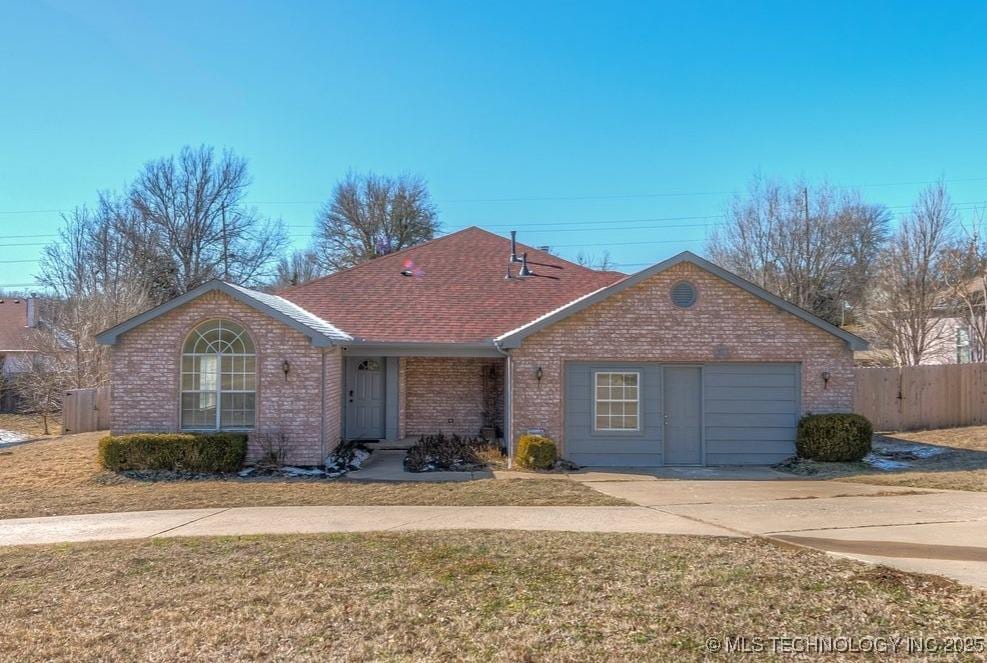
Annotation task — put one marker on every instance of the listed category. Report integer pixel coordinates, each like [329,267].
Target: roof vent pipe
[525,272]
[514,257]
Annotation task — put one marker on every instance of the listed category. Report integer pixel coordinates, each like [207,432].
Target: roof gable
[319,331]
[513,338]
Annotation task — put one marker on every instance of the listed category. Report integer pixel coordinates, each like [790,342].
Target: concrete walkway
[319,519]
[926,531]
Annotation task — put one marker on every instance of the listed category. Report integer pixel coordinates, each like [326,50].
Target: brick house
[682,363]
[17,322]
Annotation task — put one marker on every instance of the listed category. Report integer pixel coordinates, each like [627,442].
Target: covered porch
[392,394]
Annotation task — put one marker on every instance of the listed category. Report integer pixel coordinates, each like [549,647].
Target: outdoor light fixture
[285,366]
[539,373]
[825,377]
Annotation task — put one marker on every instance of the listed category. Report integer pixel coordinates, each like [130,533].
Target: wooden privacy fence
[917,397]
[85,410]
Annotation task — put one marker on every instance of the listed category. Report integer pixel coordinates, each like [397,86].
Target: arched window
[219,374]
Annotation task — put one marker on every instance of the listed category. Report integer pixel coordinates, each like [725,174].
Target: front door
[682,388]
[364,398]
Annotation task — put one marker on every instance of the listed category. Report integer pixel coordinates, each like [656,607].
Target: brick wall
[726,324]
[437,389]
[146,365]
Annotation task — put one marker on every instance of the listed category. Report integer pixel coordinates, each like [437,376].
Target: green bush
[185,452]
[535,452]
[834,437]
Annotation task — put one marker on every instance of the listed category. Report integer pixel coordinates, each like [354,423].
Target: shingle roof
[15,335]
[458,293]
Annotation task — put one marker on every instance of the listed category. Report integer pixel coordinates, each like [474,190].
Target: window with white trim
[219,374]
[617,400]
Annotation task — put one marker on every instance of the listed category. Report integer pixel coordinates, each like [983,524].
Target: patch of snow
[301,471]
[885,464]
[9,436]
[246,472]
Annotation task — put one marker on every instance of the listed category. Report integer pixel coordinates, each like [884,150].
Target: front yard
[61,477]
[451,596]
[951,458]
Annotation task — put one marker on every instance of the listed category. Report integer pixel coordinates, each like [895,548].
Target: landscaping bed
[62,476]
[477,595]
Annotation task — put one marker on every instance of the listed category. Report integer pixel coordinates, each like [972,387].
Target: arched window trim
[218,378]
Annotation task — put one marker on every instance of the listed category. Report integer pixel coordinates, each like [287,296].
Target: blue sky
[571,122]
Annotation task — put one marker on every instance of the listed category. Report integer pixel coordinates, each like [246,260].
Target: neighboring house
[682,363]
[17,319]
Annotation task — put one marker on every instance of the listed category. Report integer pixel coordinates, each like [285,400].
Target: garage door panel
[783,433]
[734,420]
[751,379]
[751,412]
[750,406]
[759,445]
[749,393]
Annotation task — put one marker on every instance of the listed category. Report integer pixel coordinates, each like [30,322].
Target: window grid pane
[617,401]
[218,368]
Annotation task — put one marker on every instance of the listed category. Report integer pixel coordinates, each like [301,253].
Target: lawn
[60,477]
[961,465]
[450,595]
[29,424]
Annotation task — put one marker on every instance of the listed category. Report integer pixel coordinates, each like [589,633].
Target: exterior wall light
[825,377]
[286,367]
[539,373]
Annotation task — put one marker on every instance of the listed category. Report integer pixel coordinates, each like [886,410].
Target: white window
[219,374]
[617,400]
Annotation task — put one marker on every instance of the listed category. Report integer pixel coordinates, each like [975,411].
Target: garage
[623,414]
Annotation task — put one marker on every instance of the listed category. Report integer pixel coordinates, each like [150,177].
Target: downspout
[322,406]
[508,405]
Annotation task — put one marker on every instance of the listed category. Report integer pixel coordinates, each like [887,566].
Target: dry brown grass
[962,466]
[29,424]
[60,476]
[450,596]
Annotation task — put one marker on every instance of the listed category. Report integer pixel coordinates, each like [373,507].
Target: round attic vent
[683,294]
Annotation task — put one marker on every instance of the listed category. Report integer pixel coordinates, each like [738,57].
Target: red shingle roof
[14,332]
[458,294]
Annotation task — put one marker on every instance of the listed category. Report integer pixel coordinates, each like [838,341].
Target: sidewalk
[321,519]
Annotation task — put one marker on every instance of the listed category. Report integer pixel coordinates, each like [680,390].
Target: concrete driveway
[927,531]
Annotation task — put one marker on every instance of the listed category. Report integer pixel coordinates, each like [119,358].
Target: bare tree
[814,246]
[908,301]
[965,273]
[100,272]
[300,266]
[370,216]
[195,205]
[40,389]
[603,262]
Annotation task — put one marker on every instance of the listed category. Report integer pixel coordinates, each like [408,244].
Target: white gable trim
[320,332]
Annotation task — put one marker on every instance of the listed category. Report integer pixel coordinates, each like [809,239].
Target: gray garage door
[748,413]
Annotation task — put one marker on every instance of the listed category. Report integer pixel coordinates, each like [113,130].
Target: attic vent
[683,294]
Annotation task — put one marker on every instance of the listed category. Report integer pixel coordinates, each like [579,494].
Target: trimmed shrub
[184,452]
[834,437]
[535,452]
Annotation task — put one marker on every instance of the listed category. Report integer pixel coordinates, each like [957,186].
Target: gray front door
[682,389]
[364,398]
